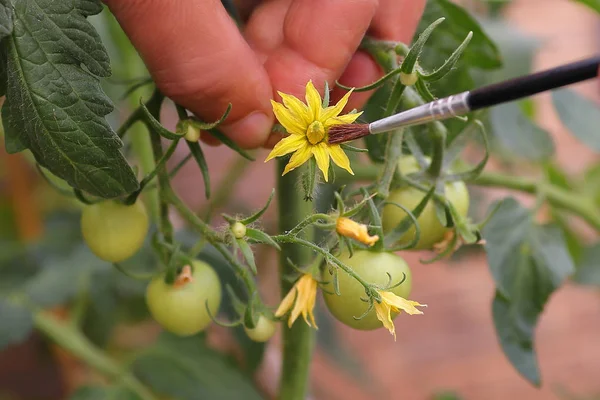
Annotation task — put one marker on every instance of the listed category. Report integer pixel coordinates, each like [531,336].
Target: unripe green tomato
[431,229]
[372,267]
[114,231]
[238,229]
[182,309]
[263,331]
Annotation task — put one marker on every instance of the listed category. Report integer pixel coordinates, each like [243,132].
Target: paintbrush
[463,103]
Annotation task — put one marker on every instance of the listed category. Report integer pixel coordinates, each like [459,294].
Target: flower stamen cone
[301,300]
[394,303]
[307,125]
[351,229]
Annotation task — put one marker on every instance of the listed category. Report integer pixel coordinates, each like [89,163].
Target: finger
[318,40]
[395,20]
[195,54]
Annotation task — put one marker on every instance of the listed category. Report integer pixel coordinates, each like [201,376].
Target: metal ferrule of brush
[451,106]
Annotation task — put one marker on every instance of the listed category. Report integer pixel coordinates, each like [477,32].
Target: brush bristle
[345,133]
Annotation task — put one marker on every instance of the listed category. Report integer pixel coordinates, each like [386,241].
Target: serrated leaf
[528,262]
[6,18]
[593,4]
[103,393]
[518,134]
[55,107]
[17,323]
[580,115]
[588,269]
[4,77]
[481,52]
[186,369]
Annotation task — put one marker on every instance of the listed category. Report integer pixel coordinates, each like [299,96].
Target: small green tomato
[180,308]
[238,230]
[114,231]
[263,331]
[373,267]
[431,229]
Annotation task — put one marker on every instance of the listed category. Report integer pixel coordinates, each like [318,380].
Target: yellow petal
[340,158]
[398,303]
[334,111]
[310,304]
[301,156]
[321,152]
[382,310]
[288,119]
[314,102]
[287,145]
[342,119]
[286,303]
[297,107]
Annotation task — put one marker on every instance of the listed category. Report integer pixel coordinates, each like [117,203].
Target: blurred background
[451,352]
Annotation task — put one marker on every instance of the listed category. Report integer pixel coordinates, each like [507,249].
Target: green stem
[558,197]
[298,341]
[438,137]
[78,345]
[166,228]
[393,151]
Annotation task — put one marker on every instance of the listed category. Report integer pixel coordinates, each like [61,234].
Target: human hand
[198,57]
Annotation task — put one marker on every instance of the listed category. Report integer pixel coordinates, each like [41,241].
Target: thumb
[198,58]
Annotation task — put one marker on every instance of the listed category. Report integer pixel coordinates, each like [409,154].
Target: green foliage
[580,115]
[103,393]
[186,369]
[593,4]
[528,263]
[6,18]
[588,268]
[516,133]
[55,107]
[16,323]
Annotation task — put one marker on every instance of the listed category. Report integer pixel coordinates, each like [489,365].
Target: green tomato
[373,267]
[431,229]
[263,331]
[182,309]
[114,231]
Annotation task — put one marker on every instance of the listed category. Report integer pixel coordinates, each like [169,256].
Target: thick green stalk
[298,341]
[75,343]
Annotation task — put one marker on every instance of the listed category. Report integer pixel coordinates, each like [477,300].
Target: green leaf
[261,237]
[4,80]
[259,213]
[588,269]
[408,64]
[230,143]
[528,262]
[186,369]
[481,52]
[55,106]
[593,4]
[518,134]
[580,115]
[198,155]
[17,323]
[248,254]
[6,18]
[103,393]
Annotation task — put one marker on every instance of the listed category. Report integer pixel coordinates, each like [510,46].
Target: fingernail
[251,131]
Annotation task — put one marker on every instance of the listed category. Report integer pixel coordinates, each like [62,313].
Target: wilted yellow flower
[302,296]
[349,228]
[446,242]
[391,302]
[308,125]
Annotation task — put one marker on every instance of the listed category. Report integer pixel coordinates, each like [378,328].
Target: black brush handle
[528,85]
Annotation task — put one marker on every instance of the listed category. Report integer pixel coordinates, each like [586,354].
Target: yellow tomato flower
[393,303]
[308,125]
[302,296]
[346,227]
